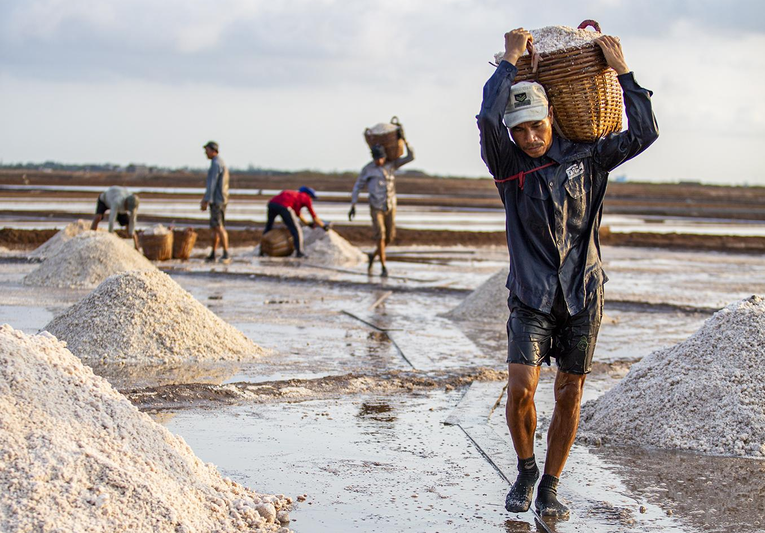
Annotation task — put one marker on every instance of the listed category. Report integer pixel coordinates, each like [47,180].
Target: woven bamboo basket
[393,142]
[156,247]
[277,243]
[583,90]
[183,243]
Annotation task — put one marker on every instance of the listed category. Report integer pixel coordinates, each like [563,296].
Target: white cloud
[291,84]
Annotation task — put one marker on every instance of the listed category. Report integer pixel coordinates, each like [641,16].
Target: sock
[547,503]
[518,500]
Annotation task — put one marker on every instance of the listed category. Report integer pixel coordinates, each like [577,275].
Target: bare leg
[222,234]
[216,239]
[381,251]
[565,420]
[520,411]
[521,414]
[96,220]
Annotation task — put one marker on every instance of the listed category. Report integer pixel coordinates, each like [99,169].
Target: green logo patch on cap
[521,100]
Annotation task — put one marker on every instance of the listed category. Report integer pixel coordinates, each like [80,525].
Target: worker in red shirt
[288,204]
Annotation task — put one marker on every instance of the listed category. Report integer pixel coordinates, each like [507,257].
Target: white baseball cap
[528,103]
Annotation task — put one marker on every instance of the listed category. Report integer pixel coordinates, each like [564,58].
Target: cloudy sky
[291,84]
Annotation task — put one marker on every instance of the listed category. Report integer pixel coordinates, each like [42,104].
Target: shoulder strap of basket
[521,176]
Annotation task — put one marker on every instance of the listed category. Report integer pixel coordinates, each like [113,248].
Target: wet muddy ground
[388,416]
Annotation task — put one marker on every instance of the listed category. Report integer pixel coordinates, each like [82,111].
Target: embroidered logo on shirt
[575,170]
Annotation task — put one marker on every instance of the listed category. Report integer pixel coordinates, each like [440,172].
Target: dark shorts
[123,219]
[534,337]
[217,215]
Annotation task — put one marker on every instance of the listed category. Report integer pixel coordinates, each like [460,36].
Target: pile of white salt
[704,394]
[86,260]
[556,38]
[157,229]
[146,318]
[487,302]
[330,249]
[75,455]
[382,128]
[327,248]
[53,245]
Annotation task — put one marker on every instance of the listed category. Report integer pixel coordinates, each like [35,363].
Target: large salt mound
[75,455]
[704,394]
[53,245]
[86,260]
[487,302]
[329,248]
[144,317]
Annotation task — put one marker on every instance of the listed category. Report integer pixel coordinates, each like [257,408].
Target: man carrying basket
[379,177]
[553,191]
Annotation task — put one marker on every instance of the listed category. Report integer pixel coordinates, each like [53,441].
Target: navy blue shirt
[552,222]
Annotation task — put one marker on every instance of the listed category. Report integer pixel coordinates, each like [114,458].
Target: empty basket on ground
[156,247]
[583,90]
[390,136]
[277,243]
[183,243]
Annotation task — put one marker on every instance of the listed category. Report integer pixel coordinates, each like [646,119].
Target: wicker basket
[156,247]
[183,243]
[277,243]
[393,142]
[583,90]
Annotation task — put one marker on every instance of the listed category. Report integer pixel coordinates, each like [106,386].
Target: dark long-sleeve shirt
[552,220]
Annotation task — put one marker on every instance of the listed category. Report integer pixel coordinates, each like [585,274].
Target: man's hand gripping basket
[583,90]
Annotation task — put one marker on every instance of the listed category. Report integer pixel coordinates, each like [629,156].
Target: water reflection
[716,494]
[139,376]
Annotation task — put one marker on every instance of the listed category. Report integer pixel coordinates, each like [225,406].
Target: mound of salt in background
[75,455]
[704,394]
[86,260]
[487,302]
[329,248]
[144,317]
[53,245]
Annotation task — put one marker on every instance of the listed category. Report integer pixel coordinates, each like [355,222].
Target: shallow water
[387,462]
[407,216]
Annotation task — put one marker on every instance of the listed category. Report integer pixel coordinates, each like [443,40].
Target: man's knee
[568,391]
[519,394]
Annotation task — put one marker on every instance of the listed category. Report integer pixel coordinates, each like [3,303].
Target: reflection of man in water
[553,191]
[122,206]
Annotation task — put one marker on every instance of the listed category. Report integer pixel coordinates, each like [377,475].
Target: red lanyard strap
[521,176]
